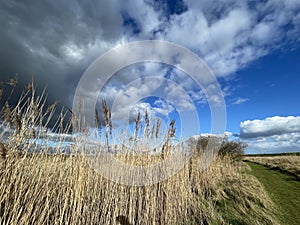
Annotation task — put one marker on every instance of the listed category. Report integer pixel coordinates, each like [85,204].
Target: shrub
[233,149]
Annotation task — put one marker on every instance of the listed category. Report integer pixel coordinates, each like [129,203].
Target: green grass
[284,190]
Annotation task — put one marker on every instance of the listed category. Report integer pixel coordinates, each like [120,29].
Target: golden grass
[41,188]
[287,163]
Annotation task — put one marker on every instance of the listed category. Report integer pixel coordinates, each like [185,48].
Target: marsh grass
[42,188]
[285,163]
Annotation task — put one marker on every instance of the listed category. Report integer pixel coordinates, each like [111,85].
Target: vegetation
[286,163]
[232,149]
[42,185]
[275,154]
[283,190]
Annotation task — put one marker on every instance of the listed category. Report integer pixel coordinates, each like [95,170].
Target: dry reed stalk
[18,122]
[97,120]
[137,128]
[3,151]
[107,122]
[8,114]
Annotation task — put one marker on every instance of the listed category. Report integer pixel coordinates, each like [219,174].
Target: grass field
[284,191]
[286,163]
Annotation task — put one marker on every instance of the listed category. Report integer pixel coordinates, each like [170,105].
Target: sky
[251,47]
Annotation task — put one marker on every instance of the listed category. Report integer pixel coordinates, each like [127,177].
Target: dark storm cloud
[54,41]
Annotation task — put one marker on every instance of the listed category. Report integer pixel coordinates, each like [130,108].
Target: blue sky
[271,85]
[252,48]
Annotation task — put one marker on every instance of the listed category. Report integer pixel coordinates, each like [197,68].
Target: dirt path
[283,189]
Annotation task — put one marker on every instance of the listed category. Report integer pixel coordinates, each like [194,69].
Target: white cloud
[271,135]
[270,126]
[231,34]
[264,33]
[178,96]
[239,101]
[220,137]
[73,52]
[145,15]
[274,144]
[163,107]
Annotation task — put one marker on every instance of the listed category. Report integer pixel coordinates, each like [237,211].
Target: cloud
[274,144]
[230,35]
[270,126]
[55,41]
[125,94]
[272,135]
[263,33]
[225,135]
[129,99]
[163,108]
[239,101]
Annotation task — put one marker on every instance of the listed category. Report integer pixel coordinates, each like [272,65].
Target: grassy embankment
[283,188]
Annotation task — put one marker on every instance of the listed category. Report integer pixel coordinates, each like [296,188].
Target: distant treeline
[276,154]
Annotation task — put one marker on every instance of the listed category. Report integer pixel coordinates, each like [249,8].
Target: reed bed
[42,185]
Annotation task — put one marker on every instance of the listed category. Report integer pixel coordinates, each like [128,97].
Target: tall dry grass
[41,188]
[286,163]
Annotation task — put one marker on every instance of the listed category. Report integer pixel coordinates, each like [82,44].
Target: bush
[233,149]
[202,143]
